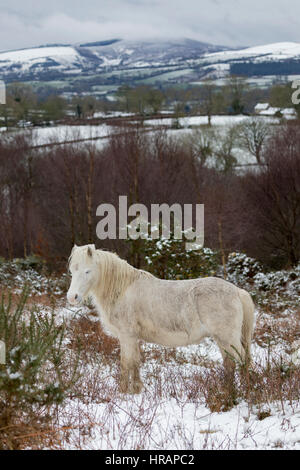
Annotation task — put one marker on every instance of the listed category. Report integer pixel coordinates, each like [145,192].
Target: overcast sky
[227,22]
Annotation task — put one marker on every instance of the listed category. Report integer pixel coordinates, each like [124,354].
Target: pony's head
[84,271]
[100,273]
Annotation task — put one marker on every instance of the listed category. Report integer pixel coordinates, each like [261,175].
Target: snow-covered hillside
[278,58]
[276,51]
[118,61]
[25,60]
[92,57]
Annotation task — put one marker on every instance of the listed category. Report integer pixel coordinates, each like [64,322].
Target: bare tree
[207,99]
[201,142]
[223,149]
[16,186]
[273,197]
[254,134]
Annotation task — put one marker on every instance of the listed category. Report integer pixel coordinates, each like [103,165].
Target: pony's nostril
[76,296]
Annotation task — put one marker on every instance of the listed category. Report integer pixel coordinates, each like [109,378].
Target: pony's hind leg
[233,354]
[124,373]
[137,384]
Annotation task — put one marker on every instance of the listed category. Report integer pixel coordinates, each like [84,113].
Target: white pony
[135,305]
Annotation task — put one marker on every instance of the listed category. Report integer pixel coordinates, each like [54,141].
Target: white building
[264,109]
[261,107]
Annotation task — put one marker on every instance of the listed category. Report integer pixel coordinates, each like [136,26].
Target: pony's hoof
[137,387]
[124,387]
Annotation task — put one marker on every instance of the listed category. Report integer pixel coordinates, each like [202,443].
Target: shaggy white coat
[135,305]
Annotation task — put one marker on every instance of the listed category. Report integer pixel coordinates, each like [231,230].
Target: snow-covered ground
[170,424]
[101,114]
[45,135]
[203,120]
[99,134]
[62,133]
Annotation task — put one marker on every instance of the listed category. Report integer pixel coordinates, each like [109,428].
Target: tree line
[49,197]
[42,106]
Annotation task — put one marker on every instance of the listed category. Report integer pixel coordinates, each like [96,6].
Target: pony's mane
[115,273]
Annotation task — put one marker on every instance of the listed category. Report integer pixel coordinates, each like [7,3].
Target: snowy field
[46,135]
[187,128]
[186,122]
[62,133]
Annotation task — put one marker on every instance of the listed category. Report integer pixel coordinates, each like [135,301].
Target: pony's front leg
[137,384]
[130,381]
[124,372]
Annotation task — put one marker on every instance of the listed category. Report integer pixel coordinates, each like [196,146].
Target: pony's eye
[87,272]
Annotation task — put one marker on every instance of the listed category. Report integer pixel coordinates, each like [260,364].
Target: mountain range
[102,65]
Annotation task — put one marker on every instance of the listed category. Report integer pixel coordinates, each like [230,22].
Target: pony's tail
[248,323]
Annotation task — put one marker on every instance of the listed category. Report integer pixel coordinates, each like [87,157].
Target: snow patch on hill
[276,51]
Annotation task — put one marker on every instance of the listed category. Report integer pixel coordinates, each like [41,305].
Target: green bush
[31,262]
[36,373]
[169,259]
[31,271]
[241,268]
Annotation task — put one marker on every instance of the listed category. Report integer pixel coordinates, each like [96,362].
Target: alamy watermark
[2,92]
[172,221]
[2,352]
[296,94]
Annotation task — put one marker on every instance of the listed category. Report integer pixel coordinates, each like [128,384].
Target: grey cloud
[234,22]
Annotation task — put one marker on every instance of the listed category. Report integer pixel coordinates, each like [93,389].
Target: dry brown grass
[273,328]
[33,434]
[93,339]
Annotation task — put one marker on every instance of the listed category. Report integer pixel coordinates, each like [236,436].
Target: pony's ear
[89,251]
[74,248]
